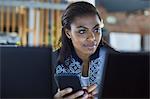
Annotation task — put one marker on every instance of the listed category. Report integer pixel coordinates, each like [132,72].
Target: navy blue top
[96,65]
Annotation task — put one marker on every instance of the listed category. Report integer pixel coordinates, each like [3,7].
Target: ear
[67,32]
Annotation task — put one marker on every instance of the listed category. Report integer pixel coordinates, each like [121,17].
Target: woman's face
[85,34]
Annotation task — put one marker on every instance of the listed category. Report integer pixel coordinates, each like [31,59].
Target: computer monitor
[126,75]
[25,72]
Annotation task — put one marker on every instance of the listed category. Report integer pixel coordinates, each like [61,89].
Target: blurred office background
[38,22]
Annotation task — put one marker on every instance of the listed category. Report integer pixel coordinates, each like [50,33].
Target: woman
[81,43]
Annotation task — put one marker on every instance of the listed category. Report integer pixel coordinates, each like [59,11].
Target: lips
[92,45]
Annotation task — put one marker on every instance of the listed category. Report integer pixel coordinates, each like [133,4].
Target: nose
[91,36]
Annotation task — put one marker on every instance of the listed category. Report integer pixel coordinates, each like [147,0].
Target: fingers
[91,88]
[94,92]
[63,92]
[75,95]
[84,97]
[91,92]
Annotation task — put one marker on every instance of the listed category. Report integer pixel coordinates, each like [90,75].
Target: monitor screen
[126,75]
[25,72]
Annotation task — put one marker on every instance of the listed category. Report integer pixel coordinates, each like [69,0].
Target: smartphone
[66,80]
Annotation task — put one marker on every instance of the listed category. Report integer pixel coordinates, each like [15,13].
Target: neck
[83,57]
[85,64]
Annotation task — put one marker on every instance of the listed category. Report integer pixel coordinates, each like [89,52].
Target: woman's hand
[62,93]
[92,91]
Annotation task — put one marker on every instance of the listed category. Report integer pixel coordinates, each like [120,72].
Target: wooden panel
[46,26]
[13,19]
[56,26]
[20,23]
[41,26]
[35,29]
[2,18]
[8,19]
[24,33]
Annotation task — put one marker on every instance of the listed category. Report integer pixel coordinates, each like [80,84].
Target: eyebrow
[86,27]
[96,26]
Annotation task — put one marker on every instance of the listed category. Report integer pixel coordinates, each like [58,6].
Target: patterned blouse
[96,65]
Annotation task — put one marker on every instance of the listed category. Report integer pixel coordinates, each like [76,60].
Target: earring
[69,37]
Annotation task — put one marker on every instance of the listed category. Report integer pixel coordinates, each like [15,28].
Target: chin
[90,52]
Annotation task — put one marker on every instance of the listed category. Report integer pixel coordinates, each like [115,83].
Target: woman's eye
[98,30]
[82,31]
